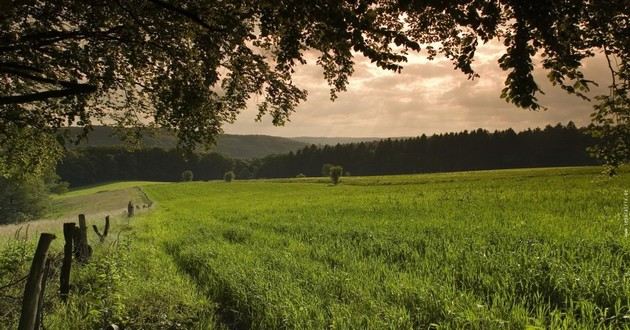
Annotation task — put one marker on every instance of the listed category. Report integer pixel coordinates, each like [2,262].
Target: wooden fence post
[130,209]
[64,277]
[84,250]
[40,304]
[32,289]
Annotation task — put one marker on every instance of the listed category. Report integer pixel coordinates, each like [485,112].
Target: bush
[326,169]
[187,176]
[335,174]
[229,176]
[59,188]
[22,200]
[301,175]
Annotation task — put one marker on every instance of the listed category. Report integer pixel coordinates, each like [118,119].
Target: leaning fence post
[64,277]
[105,231]
[40,303]
[33,287]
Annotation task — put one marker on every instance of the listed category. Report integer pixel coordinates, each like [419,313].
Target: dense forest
[475,150]
[560,145]
[101,164]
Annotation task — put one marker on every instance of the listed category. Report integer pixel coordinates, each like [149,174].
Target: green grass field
[503,249]
[95,202]
[515,249]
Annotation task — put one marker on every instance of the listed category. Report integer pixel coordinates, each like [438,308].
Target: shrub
[326,169]
[59,188]
[335,174]
[187,176]
[229,176]
[301,175]
[22,199]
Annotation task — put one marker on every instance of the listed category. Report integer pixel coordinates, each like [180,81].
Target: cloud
[427,97]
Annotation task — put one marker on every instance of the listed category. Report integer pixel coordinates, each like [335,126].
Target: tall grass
[505,249]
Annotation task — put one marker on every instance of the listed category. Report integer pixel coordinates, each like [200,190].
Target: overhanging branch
[42,96]
[29,76]
[186,13]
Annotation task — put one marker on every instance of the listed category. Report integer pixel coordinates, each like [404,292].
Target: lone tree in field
[335,174]
[228,176]
[187,176]
[326,169]
[192,66]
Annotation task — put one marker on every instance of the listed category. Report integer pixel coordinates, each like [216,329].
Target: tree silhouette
[194,65]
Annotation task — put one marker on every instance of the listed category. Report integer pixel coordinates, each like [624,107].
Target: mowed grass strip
[494,249]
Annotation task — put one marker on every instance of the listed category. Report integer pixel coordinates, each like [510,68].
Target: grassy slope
[490,249]
[101,188]
[493,249]
[109,198]
[95,202]
[130,280]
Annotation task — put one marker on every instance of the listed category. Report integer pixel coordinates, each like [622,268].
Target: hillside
[331,141]
[233,146]
[508,249]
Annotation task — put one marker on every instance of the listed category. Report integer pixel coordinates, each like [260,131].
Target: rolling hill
[331,141]
[234,146]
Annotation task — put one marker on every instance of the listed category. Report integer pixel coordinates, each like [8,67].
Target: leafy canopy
[193,65]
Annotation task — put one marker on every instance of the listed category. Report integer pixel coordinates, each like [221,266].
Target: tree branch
[21,66]
[51,37]
[186,13]
[42,96]
[26,75]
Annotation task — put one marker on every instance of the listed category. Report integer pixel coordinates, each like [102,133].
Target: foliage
[335,174]
[229,176]
[560,145]
[127,283]
[484,250]
[187,175]
[612,128]
[15,258]
[95,165]
[59,188]
[27,157]
[233,146]
[611,118]
[22,199]
[26,153]
[326,169]
[192,66]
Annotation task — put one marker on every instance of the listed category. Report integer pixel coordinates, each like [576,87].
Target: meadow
[510,249]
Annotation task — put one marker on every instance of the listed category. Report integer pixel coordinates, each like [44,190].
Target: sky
[427,97]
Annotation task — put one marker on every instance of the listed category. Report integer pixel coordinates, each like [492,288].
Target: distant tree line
[475,150]
[560,145]
[102,164]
